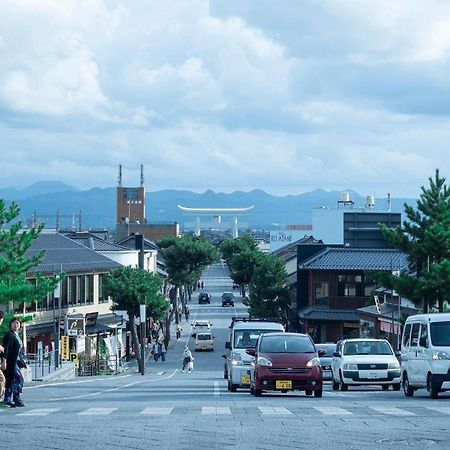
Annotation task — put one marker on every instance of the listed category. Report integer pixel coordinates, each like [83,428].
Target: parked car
[425,354]
[365,362]
[327,359]
[200,326]
[227,299]
[204,297]
[286,362]
[204,341]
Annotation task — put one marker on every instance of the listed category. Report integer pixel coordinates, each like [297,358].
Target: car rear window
[330,348]
[204,337]
[286,344]
[440,333]
[367,348]
[248,338]
[201,324]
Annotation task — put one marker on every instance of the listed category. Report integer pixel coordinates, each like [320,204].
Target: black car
[204,298]
[227,299]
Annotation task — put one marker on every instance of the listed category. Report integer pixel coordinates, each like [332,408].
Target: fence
[91,365]
[42,364]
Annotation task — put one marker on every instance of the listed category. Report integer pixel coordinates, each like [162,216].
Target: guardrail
[42,364]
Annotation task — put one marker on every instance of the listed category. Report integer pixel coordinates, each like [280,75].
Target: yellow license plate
[245,379]
[283,384]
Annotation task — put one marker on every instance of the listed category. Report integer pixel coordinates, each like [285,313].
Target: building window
[81,289]
[64,293]
[102,297]
[89,289]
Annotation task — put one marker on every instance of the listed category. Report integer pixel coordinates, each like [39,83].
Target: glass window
[440,333]
[329,348]
[248,338]
[415,334]
[286,344]
[321,289]
[102,297]
[367,348]
[406,335]
[90,289]
[423,335]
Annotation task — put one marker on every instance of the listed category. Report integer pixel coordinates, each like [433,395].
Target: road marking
[216,410]
[62,383]
[161,373]
[274,411]
[157,411]
[332,410]
[97,411]
[441,409]
[392,411]
[216,389]
[39,412]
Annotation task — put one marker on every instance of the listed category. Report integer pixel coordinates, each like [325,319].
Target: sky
[285,96]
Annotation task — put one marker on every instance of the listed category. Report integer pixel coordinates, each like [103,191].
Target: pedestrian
[178,331]
[162,351]
[2,367]
[14,354]
[188,360]
[186,313]
[198,284]
[202,285]
[155,351]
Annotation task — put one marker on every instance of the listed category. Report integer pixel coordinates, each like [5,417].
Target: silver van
[425,354]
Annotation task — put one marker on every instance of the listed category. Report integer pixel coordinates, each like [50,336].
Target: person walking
[14,354]
[178,331]
[202,285]
[2,368]
[155,351]
[188,360]
[186,313]
[162,351]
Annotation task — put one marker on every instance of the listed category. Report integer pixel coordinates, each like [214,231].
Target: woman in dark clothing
[14,363]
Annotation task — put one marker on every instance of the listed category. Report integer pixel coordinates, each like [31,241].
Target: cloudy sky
[286,96]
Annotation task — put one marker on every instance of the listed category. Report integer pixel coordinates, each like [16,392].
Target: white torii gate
[217,214]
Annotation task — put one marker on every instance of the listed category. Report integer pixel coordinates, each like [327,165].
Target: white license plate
[373,376]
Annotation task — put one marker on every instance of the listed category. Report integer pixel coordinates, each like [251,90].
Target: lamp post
[142,319]
[56,322]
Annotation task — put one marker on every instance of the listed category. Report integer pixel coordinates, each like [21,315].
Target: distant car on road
[204,341]
[364,361]
[200,326]
[327,359]
[204,297]
[227,299]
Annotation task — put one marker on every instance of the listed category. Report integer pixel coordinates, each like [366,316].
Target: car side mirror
[321,353]
[251,351]
[336,355]
[227,345]
[224,356]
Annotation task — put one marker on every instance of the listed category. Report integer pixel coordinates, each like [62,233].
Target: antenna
[119,178]
[142,175]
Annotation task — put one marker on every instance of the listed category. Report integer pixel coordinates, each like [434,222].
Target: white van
[204,341]
[244,333]
[425,354]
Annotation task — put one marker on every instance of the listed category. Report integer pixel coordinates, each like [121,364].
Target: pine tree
[425,238]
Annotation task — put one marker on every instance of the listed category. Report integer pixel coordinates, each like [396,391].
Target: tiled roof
[129,242]
[356,259]
[312,313]
[94,242]
[388,311]
[62,253]
[292,247]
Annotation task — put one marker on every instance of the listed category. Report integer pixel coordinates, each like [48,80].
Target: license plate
[245,379]
[373,376]
[283,384]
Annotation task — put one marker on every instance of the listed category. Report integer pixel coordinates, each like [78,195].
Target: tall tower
[130,201]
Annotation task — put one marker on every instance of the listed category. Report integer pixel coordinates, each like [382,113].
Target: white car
[204,341]
[200,326]
[362,361]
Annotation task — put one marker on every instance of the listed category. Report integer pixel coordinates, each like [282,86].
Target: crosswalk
[263,410]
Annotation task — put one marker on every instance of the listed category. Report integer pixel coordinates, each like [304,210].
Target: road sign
[65,347]
[74,359]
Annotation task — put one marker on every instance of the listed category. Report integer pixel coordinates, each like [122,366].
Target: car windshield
[330,349]
[248,338]
[286,344]
[367,348]
[440,333]
[203,337]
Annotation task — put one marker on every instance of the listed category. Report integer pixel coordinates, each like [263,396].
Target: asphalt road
[168,409]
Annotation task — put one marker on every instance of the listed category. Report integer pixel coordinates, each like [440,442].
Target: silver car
[327,359]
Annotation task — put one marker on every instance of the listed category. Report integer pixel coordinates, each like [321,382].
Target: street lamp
[142,319]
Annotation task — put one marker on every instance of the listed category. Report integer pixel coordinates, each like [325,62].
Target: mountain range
[98,205]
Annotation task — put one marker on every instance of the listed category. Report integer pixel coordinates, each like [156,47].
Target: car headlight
[394,365]
[350,366]
[261,361]
[440,355]
[314,362]
[236,359]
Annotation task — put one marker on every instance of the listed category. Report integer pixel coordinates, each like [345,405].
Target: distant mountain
[98,205]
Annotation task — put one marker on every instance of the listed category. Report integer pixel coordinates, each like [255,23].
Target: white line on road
[274,411]
[216,389]
[39,412]
[216,410]
[97,411]
[392,411]
[157,411]
[441,409]
[332,410]
[62,383]
[161,373]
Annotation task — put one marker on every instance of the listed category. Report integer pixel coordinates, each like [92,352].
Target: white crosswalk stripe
[157,411]
[39,412]
[216,410]
[440,409]
[332,411]
[392,411]
[97,411]
[274,411]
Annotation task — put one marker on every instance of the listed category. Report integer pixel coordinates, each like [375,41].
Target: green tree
[15,262]
[268,292]
[130,287]
[425,237]
[242,267]
[231,247]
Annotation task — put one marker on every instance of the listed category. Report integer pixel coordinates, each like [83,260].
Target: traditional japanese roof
[338,315]
[387,311]
[356,259]
[94,242]
[64,254]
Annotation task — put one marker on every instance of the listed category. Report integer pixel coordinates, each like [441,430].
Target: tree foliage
[425,237]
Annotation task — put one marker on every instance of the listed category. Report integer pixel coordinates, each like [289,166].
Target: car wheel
[308,393]
[284,391]
[225,373]
[396,386]
[335,385]
[385,387]
[232,387]
[252,390]
[407,389]
[258,392]
[434,391]
[342,385]
[318,394]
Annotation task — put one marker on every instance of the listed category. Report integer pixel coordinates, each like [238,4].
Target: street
[166,408]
